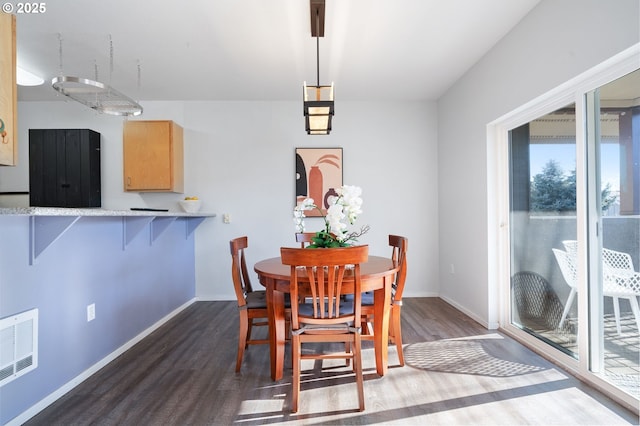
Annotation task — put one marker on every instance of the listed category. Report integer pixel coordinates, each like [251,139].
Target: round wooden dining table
[377,275]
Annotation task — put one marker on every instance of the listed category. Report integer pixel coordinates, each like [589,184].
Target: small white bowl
[190,206]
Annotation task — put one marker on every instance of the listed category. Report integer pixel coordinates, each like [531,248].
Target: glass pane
[618,284]
[542,173]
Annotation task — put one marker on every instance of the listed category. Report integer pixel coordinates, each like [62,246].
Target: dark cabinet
[64,168]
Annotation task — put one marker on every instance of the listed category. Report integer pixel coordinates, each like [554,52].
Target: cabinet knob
[66,185]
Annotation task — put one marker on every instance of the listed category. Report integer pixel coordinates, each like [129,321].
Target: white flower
[298,213]
[308,204]
[351,200]
[348,204]
[334,218]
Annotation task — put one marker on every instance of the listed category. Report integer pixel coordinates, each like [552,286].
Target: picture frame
[318,174]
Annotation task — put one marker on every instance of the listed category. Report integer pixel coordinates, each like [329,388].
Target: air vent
[18,345]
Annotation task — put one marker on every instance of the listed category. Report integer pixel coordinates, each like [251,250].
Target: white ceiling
[262,49]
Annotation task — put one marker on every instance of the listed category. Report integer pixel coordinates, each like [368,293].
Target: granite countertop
[63,211]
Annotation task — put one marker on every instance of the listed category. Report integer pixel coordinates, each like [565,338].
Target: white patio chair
[567,263]
[618,267]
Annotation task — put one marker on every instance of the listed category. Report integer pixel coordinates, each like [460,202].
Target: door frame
[572,91]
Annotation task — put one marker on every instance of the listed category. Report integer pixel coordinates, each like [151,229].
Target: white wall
[239,159]
[556,41]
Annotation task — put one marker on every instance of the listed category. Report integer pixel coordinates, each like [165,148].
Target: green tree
[607,197]
[551,190]
[554,191]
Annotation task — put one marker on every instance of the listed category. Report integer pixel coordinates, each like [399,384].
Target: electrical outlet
[226,218]
[452,269]
[91,312]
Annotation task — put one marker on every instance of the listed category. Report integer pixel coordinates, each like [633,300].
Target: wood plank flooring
[457,373]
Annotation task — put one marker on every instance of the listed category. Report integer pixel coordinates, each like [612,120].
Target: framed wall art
[318,174]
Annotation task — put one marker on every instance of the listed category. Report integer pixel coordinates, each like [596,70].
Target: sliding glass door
[542,162]
[613,156]
[574,231]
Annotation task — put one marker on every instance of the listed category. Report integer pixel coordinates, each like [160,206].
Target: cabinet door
[80,177]
[64,168]
[44,185]
[152,156]
[90,169]
[8,91]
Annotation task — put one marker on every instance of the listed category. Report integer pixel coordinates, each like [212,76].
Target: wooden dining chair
[252,305]
[324,316]
[304,238]
[398,255]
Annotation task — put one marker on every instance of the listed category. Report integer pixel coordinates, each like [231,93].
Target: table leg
[382,304]
[275,311]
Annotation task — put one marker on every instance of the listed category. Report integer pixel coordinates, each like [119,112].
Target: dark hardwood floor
[457,373]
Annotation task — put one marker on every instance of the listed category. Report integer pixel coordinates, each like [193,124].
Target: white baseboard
[470,314]
[54,396]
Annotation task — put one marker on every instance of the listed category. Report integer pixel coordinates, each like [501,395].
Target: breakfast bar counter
[66,211]
[47,224]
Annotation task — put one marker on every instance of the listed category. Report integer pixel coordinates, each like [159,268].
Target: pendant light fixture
[318,100]
[94,94]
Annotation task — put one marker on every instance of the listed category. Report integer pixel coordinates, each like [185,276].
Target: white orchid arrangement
[346,205]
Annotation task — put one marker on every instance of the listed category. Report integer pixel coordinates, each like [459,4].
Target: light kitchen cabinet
[153,154]
[8,91]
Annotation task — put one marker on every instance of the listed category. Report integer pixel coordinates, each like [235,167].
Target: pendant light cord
[110,58]
[60,50]
[317,48]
